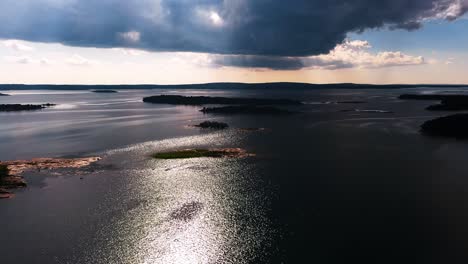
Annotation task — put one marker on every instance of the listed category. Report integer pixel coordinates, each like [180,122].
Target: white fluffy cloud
[77,60]
[130,52]
[16,45]
[356,53]
[456,9]
[28,60]
[130,37]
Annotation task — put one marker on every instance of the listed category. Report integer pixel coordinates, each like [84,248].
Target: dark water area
[325,186]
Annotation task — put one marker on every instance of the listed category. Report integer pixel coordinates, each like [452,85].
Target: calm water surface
[326,186]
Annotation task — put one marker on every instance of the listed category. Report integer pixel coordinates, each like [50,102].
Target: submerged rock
[455,126]
[212,125]
[2,94]
[187,212]
[202,100]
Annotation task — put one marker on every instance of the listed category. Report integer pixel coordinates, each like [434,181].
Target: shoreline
[15,169]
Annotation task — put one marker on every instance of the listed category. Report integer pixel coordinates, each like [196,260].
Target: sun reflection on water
[200,210]
[194,226]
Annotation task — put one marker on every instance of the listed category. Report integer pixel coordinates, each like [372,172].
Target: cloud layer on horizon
[350,54]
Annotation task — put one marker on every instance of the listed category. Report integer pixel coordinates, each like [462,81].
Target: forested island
[22,107]
[448,102]
[104,91]
[455,126]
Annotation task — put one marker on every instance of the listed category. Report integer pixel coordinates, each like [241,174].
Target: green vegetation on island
[201,153]
[188,154]
[203,100]
[212,125]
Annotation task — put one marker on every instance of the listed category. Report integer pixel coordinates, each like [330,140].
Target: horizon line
[242,83]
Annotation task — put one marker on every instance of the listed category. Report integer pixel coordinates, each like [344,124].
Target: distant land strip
[266,86]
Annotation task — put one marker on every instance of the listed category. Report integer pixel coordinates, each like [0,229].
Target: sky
[200,41]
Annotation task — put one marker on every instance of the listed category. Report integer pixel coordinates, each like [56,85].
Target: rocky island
[21,107]
[212,125]
[246,109]
[455,126]
[2,94]
[203,100]
[11,171]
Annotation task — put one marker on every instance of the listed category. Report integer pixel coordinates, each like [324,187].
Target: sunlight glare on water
[188,211]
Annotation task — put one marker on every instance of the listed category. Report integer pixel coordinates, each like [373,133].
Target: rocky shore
[11,171]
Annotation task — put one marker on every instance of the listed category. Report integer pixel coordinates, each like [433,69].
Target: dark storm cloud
[252,61]
[247,27]
[278,62]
